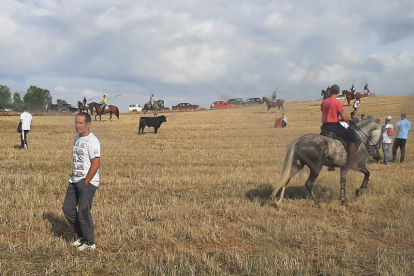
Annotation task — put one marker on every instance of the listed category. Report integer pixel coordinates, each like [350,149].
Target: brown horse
[110,109]
[269,103]
[349,96]
[325,94]
[85,108]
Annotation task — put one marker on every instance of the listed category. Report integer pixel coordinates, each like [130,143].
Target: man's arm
[95,164]
[344,117]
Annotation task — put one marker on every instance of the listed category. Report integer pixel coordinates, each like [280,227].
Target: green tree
[59,101]
[5,95]
[37,98]
[17,102]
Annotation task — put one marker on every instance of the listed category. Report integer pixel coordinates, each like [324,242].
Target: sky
[204,51]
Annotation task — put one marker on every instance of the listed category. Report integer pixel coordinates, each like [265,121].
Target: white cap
[388,118]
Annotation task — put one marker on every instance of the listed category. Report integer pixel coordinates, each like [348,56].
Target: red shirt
[330,110]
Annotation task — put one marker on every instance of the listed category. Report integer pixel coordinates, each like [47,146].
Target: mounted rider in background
[152,100]
[366,90]
[104,103]
[332,108]
[84,102]
[274,96]
[353,90]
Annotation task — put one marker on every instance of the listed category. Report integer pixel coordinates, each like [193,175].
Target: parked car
[250,101]
[71,108]
[183,106]
[221,104]
[340,97]
[3,109]
[135,107]
[236,101]
[57,107]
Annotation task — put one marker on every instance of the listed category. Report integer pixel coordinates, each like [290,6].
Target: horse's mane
[369,122]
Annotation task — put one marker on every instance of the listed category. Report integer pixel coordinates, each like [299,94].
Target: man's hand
[95,164]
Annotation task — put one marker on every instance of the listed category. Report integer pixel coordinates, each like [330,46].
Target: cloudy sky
[202,51]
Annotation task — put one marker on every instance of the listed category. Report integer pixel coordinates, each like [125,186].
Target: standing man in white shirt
[83,183]
[26,119]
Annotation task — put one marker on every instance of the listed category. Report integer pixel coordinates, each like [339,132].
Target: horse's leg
[295,169]
[314,174]
[282,108]
[342,193]
[268,108]
[364,184]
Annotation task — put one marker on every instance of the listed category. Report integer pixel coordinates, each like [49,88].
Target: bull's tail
[287,166]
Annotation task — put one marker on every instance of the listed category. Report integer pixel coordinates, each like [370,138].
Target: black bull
[154,122]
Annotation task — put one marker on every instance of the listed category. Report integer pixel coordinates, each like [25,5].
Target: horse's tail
[117,112]
[287,166]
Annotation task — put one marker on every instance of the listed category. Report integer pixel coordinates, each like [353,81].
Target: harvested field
[194,199]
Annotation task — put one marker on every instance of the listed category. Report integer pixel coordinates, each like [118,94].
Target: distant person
[362,116]
[353,90]
[152,100]
[366,90]
[328,89]
[26,119]
[104,103]
[402,127]
[284,120]
[354,118]
[84,102]
[274,96]
[356,105]
[387,132]
[83,183]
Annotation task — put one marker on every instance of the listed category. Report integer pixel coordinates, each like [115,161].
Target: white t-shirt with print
[27,120]
[84,150]
[386,139]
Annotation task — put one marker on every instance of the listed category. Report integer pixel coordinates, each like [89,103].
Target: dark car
[236,101]
[250,101]
[71,108]
[57,107]
[3,109]
[183,106]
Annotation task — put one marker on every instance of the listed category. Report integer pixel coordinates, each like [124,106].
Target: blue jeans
[386,150]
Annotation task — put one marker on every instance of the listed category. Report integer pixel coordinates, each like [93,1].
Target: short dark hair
[335,89]
[25,107]
[352,113]
[404,115]
[87,117]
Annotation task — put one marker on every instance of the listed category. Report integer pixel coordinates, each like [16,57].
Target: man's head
[334,89]
[403,116]
[25,108]
[388,118]
[83,123]
[352,114]
[362,116]
[104,96]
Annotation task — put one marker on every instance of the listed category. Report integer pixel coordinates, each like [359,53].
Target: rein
[376,145]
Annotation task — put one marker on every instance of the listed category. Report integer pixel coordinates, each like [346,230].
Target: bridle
[367,144]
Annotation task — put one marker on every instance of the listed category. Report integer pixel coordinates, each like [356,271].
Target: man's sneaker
[78,242]
[85,247]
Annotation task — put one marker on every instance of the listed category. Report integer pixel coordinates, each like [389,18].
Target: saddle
[330,134]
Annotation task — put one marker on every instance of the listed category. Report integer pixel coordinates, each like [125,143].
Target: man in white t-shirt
[387,131]
[83,183]
[26,119]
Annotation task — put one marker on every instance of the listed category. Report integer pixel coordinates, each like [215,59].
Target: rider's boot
[351,155]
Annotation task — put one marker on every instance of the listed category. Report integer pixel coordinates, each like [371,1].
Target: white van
[135,107]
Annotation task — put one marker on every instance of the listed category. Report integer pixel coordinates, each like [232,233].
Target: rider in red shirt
[332,108]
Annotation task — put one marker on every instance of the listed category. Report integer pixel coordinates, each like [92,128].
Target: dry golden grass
[193,199]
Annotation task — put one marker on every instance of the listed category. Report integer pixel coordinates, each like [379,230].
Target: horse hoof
[358,192]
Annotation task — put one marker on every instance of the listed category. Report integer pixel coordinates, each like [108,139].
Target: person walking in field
[387,132]
[402,127]
[83,183]
[356,105]
[26,119]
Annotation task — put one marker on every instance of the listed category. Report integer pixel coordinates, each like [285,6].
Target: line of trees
[36,98]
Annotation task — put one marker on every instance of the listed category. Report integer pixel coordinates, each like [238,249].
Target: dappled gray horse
[157,106]
[316,151]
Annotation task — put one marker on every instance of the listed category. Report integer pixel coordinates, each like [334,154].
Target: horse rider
[152,100]
[328,89]
[84,102]
[366,90]
[274,96]
[332,108]
[353,90]
[103,103]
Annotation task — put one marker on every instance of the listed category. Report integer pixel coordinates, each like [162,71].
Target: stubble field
[194,199]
